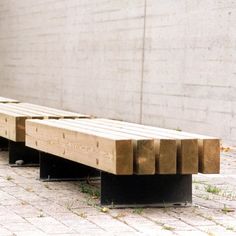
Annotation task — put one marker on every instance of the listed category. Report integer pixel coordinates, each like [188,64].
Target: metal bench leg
[19,152]
[4,144]
[54,168]
[146,190]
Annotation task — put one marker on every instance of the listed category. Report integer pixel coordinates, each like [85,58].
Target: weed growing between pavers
[212,189]
[178,129]
[47,186]
[93,193]
[82,215]
[215,221]
[138,211]
[70,204]
[9,178]
[229,194]
[225,193]
[166,227]
[119,215]
[225,209]
[91,190]
[230,228]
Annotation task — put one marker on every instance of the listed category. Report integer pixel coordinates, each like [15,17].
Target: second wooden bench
[12,127]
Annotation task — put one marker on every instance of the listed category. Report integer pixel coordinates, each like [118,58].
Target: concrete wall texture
[159,62]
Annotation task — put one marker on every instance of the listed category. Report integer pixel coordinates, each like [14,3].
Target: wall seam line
[142,65]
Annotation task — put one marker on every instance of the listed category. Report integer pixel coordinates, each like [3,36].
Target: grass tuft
[138,211]
[9,178]
[225,209]
[212,189]
[166,227]
[230,228]
[88,189]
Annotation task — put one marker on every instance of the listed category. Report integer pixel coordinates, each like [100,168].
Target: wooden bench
[12,127]
[139,164]
[3,141]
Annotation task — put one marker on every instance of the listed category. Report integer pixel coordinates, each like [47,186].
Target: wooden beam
[165,147]
[166,156]
[8,127]
[187,146]
[209,156]
[187,156]
[106,152]
[13,116]
[52,111]
[209,147]
[144,152]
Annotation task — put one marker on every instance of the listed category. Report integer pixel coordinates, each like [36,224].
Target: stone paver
[31,207]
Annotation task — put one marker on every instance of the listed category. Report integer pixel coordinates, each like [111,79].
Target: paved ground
[30,207]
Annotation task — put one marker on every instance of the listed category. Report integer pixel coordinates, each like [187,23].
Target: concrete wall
[161,62]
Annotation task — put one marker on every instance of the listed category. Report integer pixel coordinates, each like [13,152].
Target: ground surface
[30,207]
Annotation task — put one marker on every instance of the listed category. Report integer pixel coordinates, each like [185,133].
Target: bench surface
[7,100]
[13,116]
[103,150]
[208,147]
[125,148]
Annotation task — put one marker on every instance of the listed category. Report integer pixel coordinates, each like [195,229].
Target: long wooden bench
[12,127]
[3,141]
[139,164]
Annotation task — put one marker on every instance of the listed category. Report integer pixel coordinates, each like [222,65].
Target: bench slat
[144,152]
[18,110]
[209,156]
[51,111]
[209,147]
[13,116]
[105,152]
[187,148]
[164,150]
[36,110]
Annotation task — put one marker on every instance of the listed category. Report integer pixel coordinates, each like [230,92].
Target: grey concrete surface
[30,207]
[166,63]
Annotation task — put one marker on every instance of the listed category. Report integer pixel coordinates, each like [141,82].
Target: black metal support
[18,152]
[4,144]
[54,168]
[146,190]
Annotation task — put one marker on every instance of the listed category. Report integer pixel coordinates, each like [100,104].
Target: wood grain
[106,152]
[13,116]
